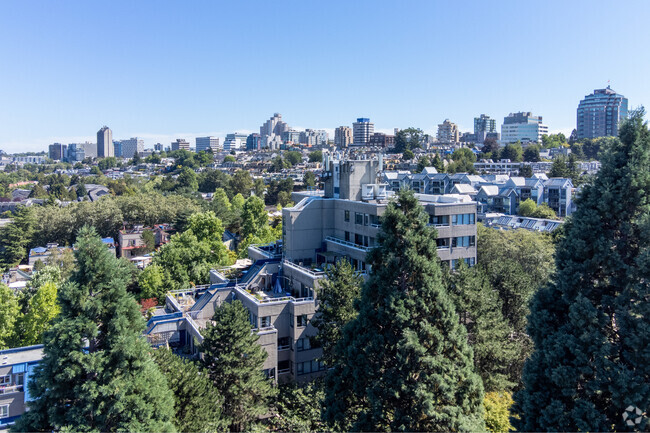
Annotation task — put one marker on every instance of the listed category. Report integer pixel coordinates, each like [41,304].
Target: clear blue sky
[163,69]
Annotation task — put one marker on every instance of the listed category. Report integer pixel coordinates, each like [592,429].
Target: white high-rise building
[523,127]
[203,143]
[362,129]
[235,141]
[448,132]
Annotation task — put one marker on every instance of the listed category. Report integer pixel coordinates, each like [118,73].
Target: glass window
[366,219]
[302,344]
[358,218]
[302,320]
[284,343]
[347,236]
[347,215]
[265,322]
[5,380]
[4,411]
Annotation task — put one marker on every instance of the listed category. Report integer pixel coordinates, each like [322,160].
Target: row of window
[308,367]
[459,219]
[470,261]
[265,321]
[361,240]
[362,219]
[459,241]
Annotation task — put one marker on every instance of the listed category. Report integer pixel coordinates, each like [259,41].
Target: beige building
[448,132]
[343,136]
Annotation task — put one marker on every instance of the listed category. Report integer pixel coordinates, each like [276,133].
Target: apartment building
[15,371]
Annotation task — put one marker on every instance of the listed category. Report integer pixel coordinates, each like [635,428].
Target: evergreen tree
[96,372]
[336,296]
[234,360]
[196,401]
[15,238]
[404,362]
[479,308]
[298,408]
[591,325]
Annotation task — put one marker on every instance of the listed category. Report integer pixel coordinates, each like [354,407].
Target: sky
[162,70]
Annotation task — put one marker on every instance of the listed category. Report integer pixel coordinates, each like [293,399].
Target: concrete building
[128,148]
[57,151]
[274,126]
[362,129]
[76,152]
[205,143]
[448,132]
[345,221]
[523,127]
[253,142]
[484,125]
[600,113]
[158,147]
[291,137]
[15,373]
[105,143]
[181,144]
[343,136]
[235,141]
[311,137]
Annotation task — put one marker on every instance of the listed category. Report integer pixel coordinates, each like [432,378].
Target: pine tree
[336,296]
[96,372]
[479,308]
[405,363]
[16,237]
[196,401]
[591,326]
[234,360]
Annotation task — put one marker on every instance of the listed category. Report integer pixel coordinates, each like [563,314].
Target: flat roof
[20,355]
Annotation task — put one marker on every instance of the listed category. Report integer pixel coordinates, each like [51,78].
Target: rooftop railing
[347,243]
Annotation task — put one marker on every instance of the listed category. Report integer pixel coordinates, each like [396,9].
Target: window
[442,243]
[5,380]
[284,366]
[358,239]
[19,379]
[302,344]
[253,319]
[302,320]
[439,220]
[358,218]
[4,411]
[463,219]
[269,373]
[366,219]
[463,241]
[308,367]
[265,322]
[347,236]
[346,215]
[284,343]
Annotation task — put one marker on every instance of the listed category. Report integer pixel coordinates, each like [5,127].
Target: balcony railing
[311,272]
[10,389]
[347,243]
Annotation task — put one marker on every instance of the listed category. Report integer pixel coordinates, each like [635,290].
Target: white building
[131,146]
[362,129]
[523,127]
[235,141]
[448,132]
[204,143]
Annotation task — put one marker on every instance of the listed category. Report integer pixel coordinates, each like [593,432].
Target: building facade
[343,136]
[105,143]
[382,140]
[253,142]
[362,129]
[523,127]
[484,125]
[600,113]
[235,141]
[128,148]
[58,151]
[180,144]
[15,373]
[448,132]
[205,143]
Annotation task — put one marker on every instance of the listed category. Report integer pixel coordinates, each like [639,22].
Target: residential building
[16,371]
[382,140]
[128,148]
[274,126]
[523,127]
[253,142]
[343,136]
[484,125]
[362,129]
[235,141]
[105,142]
[205,143]
[158,147]
[312,137]
[180,144]
[58,151]
[291,137]
[600,113]
[76,152]
[448,132]
[90,149]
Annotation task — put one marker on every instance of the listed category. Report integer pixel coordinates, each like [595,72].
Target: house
[16,369]
[45,254]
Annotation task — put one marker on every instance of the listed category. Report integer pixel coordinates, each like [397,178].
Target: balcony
[10,389]
[347,244]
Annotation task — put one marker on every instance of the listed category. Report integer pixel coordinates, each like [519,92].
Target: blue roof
[38,250]
[108,240]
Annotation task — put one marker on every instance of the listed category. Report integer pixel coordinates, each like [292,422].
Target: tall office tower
[203,143]
[105,142]
[130,147]
[362,129]
[448,132]
[158,147]
[235,141]
[57,151]
[117,148]
[253,142]
[484,125]
[600,113]
[524,127]
[180,143]
[343,136]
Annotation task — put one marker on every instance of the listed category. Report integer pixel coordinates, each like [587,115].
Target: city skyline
[153,90]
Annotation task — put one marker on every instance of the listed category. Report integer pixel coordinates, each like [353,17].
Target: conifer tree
[234,360]
[591,326]
[96,372]
[404,362]
[336,296]
[196,401]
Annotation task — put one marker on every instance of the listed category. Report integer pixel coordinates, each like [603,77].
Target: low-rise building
[16,371]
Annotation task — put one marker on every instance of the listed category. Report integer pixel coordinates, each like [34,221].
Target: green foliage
[527,208]
[513,152]
[241,183]
[42,309]
[525,171]
[438,164]
[336,296]
[591,324]
[197,402]
[517,263]
[187,180]
[423,162]
[553,140]
[531,153]
[152,283]
[404,361]
[275,188]
[229,158]
[463,160]
[96,364]
[480,310]
[490,148]
[17,237]
[408,155]
[497,412]
[254,217]
[9,314]
[309,179]
[234,359]
[294,157]
[298,408]
[316,156]
[106,163]
[408,139]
